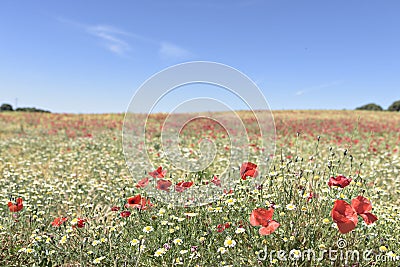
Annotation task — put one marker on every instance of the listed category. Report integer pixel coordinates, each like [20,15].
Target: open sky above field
[91,56]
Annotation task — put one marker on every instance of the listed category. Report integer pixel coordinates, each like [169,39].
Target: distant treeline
[8,107]
[372,106]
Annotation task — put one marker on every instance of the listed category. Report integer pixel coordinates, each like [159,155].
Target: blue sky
[91,56]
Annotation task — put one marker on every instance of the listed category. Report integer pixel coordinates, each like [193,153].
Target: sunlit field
[68,199]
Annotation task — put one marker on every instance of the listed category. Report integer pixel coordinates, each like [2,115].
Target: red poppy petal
[187,184]
[250,165]
[179,189]
[143,183]
[340,181]
[134,200]
[361,205]
[342,211]
[251,173]
[344,216]
[163,185]
[369,218]
[346,227]
[272,226]
[261,216]
[247,166]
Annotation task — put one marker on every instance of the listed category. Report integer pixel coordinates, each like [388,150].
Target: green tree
[27,109]
[371,106]
[395,106]
[6,107]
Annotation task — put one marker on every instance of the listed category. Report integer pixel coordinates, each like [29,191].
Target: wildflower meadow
[330,197]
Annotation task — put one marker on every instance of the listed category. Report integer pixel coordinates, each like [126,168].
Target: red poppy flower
[363,207]
[215,180]
[15,207]
[125,214]
[159,173]
[248,169]
[310,196]
[182,186]
[59,221]
[115,208]
[138,202]
[220,228]
[163,185]
[340,181]
[142,183]
[344,216]
[228,192]
[134,202]
[263,217]
[81,223]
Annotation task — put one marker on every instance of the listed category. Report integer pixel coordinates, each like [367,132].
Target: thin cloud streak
[168,50]
[317,88]
[110,37]
[115,40]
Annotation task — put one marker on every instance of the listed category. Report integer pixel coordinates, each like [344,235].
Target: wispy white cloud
[111,38]
[317,88]
[172,51]
[117,40]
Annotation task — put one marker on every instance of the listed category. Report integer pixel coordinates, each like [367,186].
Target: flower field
[67,197]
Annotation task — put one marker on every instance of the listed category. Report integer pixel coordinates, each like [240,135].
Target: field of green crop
[331,197]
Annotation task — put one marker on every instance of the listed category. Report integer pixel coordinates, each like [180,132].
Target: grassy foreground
[72,167]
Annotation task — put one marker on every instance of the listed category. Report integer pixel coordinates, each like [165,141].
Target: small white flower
[161,212]
[148,229]
[178,241]
[63,239]
[295,253]
[183,251]
[178,261]
[240,230]
[134,242]
[98,260]
[29,250]
[218,209]
[230,201]
[159,252]
[229,242]
[222,250]
[290,206]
